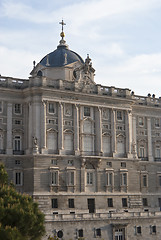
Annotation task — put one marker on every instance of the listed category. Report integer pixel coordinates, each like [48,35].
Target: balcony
[2,151]
[143,158]
[18,152]
[157,159]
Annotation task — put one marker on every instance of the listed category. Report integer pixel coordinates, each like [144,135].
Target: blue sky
[122,37]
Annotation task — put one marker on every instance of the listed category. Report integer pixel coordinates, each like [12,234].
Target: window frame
[51,108]
[89,179]
[17,108]
[71,203]
[119,115]
[86,111]
[110,202]
[18,178]
[54,203]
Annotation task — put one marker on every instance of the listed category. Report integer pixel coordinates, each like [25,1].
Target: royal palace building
[90,155]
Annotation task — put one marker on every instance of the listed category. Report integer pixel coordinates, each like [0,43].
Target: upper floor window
[89,178]
[54,178]
[159,180]
[17,143]
[18,178]
[123,179]
[142,152]
[109,178]
[71,178]
[54,203]
[119,115]
[110,202]
[51,107]
[153,229]
[145,181]
[0,106]
[157,152]
[124,202]
[141,121]
[87,112]
[145,202]
[71,202]
[138,230]
[157,122]
[17,108]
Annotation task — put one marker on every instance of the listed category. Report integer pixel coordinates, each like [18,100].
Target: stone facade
[89,154]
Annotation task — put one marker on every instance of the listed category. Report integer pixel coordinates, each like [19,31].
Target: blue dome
[60,57]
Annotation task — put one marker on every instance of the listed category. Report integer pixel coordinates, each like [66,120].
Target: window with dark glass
[87,112]
[18,179]
[17,108]
[145,202]
[71,203]
[138,230]
[54,203]
[124,202]
[110,202]
[119,115]
[80,232]
[144,180]
[98,232]
[51,108]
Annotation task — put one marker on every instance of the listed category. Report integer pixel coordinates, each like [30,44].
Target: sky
[122,37]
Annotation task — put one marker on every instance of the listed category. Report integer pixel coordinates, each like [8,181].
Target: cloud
[141,73]
[79,13]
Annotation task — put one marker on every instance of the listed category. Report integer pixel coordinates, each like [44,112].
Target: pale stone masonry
[89,154]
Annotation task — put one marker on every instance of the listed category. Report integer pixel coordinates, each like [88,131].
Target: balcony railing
[157,159]
[2,151]
[18,152]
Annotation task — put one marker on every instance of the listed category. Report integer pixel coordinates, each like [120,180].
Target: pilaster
[60,128]
[150,155]
[113,131]
[76,129]
[9,149]
[98,131]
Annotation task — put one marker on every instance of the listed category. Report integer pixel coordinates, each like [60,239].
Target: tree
[20,217]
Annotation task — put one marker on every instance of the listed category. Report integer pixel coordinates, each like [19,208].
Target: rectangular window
[141,121]
[119,115]
[157,152]
[18,178]
[70,162]
[98,232]
[17,108]
[144,180]
[17,122]
[157,122]
[17,162]
[80,233]
[0,106]
[124,202]
[141,152]
[87,112]
[54,178]
[110,202]
[89,178]
[71,178]
[138,230]
[124,179]
[145,202]
[51,107]
[71,203]
[54,161]
[159,181]
[17,143]
[159,202]
[109,164]
[109,179]
[153,229]
[54,203]
[123,164]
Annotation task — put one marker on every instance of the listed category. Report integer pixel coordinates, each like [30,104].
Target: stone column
[134,140]
[128,127]
[26,113]
[150,154]
[113,131]
[98,128]
[76,129]
[43,127]
[9,144]
[60,128]
[36,122]
[82,175]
